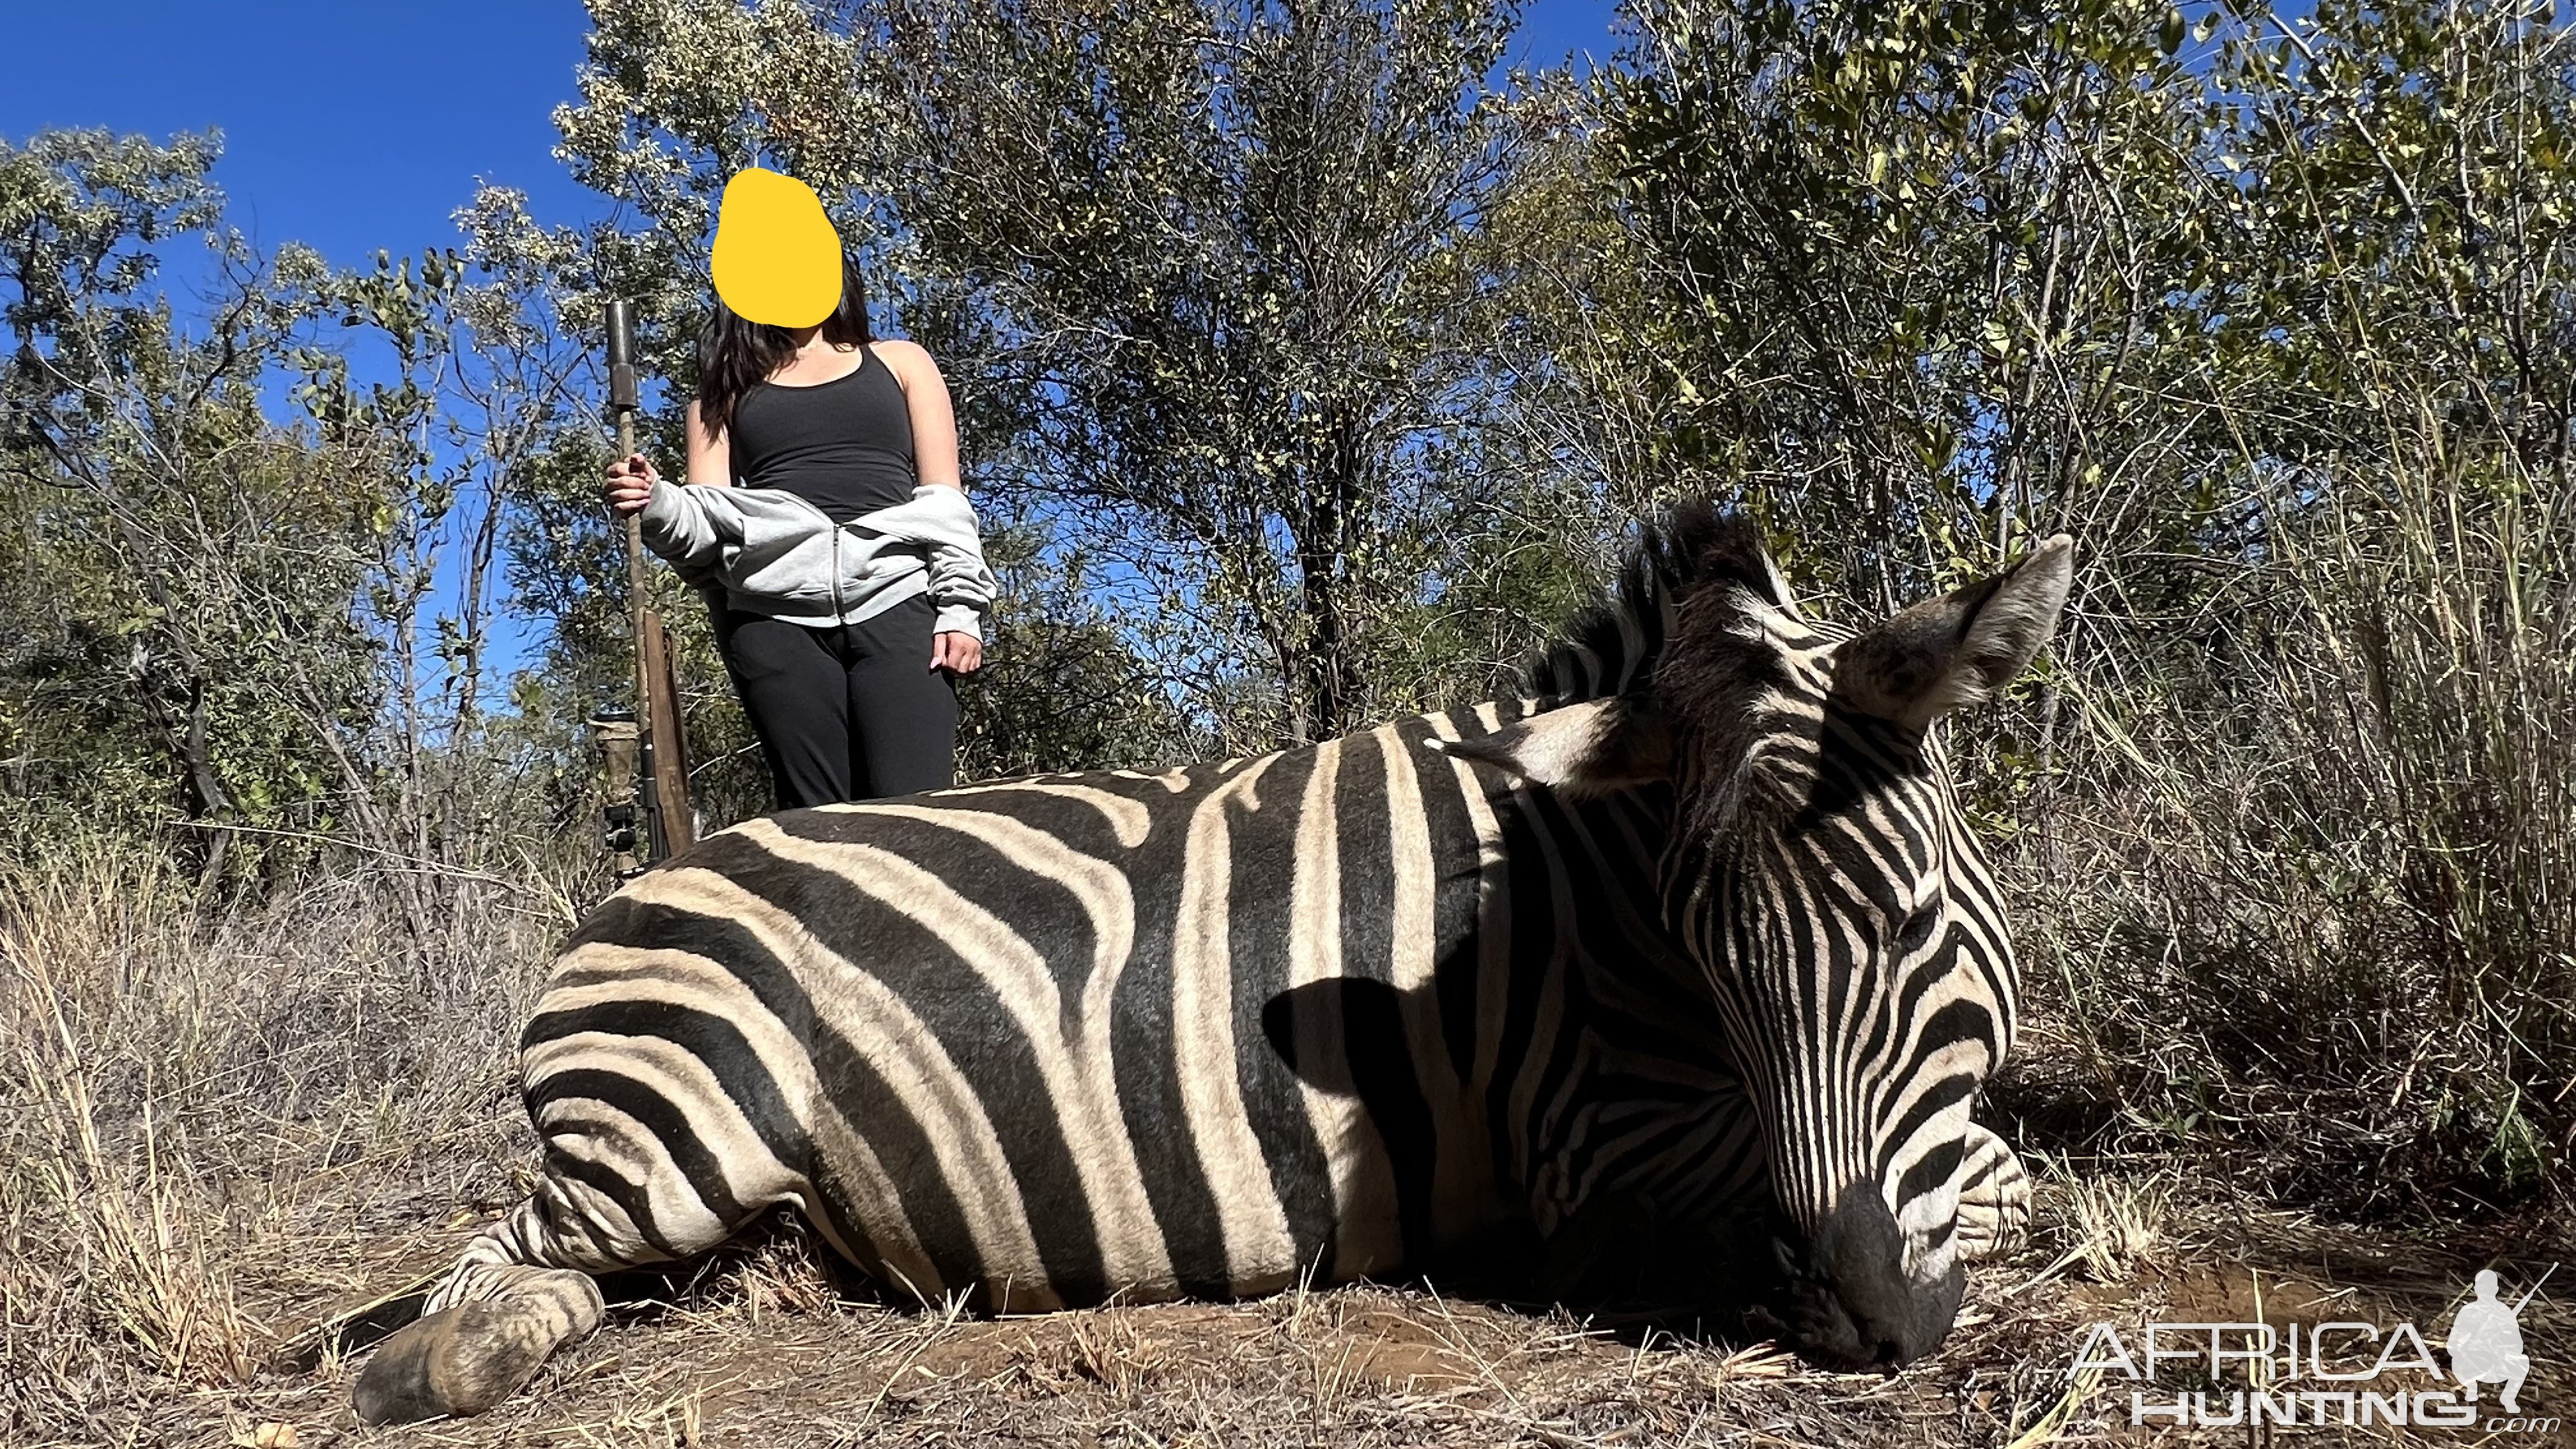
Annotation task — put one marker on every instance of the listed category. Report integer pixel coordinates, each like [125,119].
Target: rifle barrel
[2535,1289]
[621,358]
[622,402]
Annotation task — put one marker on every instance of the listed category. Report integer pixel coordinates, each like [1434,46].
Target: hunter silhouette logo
[2486,1341]
[2344,1372]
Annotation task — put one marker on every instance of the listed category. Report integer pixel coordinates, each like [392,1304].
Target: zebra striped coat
[1329,1011]
[1688,937]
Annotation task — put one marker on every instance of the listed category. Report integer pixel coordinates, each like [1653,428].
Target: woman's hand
[629,486]
[957,653]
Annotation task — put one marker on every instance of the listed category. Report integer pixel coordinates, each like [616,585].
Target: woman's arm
[934,420]
[934,462]
[710,459]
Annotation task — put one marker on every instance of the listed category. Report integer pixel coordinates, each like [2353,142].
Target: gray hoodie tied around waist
[777,554]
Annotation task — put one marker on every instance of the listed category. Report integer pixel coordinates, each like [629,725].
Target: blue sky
[351,125]
[354,125]
[348,124]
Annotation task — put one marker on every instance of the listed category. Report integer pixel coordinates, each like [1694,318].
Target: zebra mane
[1695,554]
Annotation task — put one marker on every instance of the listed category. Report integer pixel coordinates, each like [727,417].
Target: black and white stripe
[1680,935]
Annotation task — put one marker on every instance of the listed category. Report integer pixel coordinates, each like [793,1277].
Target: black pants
[849,713]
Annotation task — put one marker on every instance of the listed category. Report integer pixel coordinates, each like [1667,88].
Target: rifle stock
[668,747]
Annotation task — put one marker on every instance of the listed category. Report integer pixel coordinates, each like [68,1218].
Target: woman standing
[823,497]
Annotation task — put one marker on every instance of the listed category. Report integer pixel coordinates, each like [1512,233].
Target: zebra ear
[1959,649]
[1595,746]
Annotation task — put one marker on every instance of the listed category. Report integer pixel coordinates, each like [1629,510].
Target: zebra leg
[465,1358]
[1994,1197]
[522,1292]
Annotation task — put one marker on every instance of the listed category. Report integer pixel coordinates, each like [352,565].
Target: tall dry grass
[212,1119]
[2303,887]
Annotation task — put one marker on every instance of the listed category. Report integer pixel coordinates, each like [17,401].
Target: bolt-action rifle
[647,814]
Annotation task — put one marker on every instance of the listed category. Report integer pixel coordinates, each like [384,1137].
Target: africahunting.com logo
[2217,1375]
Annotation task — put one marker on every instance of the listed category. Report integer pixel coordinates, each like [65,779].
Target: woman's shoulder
[906,358]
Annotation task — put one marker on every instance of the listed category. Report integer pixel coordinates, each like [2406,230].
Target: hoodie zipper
[838,621]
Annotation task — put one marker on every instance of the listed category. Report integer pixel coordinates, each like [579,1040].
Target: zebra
[1687,944]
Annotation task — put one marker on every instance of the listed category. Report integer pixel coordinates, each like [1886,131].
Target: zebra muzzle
[1849,1301]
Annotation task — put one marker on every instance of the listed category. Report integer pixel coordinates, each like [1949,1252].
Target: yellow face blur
[777,259]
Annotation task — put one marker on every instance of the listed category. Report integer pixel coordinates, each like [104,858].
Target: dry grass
[2299,879]
[218,1130]
[211,1120]
[2116,1225]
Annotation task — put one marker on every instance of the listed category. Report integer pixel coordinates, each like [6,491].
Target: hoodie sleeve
[962,586]
[697,528]
[688,525]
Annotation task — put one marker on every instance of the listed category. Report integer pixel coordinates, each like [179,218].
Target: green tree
[179,574]
[1925,270]
[1201,272]
[274,630]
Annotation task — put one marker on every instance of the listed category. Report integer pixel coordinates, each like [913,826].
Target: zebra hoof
[457,1361]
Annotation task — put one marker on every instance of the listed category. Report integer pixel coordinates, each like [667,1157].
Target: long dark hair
[734,354]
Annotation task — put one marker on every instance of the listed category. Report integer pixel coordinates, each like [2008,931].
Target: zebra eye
[1918,928]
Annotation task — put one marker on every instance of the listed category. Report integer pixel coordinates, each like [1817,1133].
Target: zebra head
[1821,874]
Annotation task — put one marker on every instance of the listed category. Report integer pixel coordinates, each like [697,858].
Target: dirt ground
[766,1346]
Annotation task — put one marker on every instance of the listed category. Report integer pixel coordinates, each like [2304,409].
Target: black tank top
[844,446]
